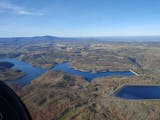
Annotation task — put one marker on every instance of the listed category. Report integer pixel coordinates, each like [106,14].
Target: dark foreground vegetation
[60,96]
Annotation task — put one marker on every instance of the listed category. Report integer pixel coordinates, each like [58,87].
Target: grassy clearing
[69,114]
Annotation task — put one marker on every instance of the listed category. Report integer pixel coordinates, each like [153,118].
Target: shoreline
[99,71]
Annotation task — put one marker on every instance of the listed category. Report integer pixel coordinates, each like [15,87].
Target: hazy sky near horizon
[79,17]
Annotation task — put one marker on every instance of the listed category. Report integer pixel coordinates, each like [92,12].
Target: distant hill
[26,40]
[42,39]
[37,38]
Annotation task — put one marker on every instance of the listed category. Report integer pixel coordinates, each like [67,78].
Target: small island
[8,73]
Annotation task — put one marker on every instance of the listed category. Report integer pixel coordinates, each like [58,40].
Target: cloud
[24,12]
[12,8]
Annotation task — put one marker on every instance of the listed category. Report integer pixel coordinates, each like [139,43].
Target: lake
[89,76]
[34,72]
[138,92]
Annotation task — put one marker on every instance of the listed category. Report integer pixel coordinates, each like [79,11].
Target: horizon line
[83,36]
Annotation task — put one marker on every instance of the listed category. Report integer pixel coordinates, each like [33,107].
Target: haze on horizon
[77,18]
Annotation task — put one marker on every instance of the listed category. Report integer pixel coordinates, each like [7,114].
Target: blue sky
[76,18]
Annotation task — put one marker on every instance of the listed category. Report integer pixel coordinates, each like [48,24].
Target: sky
[79,18]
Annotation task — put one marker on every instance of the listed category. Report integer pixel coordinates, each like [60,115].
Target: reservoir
[126,92]
[89,76]
[138,92]
[33,72]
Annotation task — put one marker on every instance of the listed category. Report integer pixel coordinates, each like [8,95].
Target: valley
[60,95]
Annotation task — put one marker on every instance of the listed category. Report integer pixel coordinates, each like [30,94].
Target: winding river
[126,92]
[89,76]
[33,72]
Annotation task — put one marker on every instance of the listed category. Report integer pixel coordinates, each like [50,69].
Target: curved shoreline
[34,72]
[99,71]
[65,67]
[30,71]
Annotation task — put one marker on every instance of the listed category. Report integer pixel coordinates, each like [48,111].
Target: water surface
[31,72]
[138,92]
[89,76]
